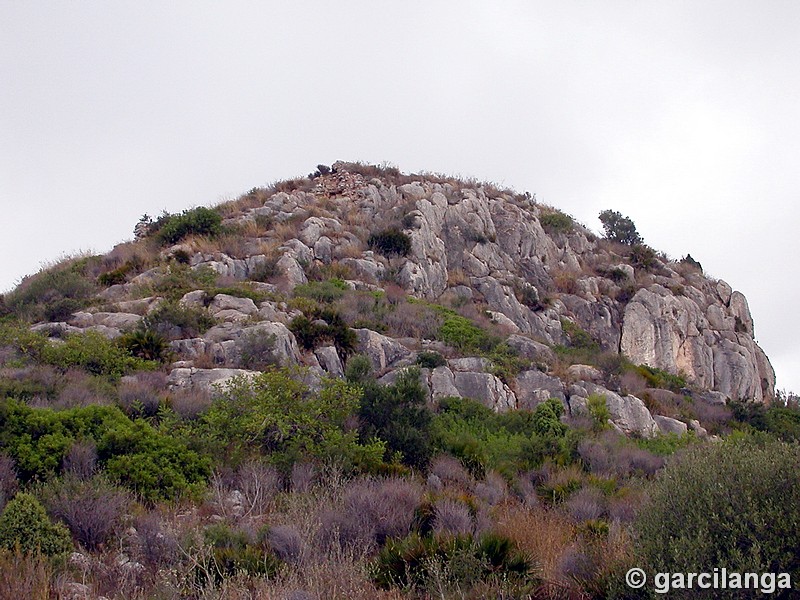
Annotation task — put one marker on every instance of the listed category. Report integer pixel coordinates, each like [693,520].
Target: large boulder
[534,387]
[485,388]
[210,380]
[383,352]
[668,425]
[628,413]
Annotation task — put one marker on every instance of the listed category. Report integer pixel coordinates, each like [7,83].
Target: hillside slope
[515,301]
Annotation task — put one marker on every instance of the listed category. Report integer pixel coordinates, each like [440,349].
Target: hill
[365,340]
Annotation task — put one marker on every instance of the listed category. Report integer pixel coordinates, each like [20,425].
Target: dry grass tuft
[545,535]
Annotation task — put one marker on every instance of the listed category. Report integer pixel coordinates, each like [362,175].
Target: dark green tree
[398,415]
[620,229]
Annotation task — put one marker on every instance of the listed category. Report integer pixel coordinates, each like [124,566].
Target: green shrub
[507,442]
[171,229]
[232,554]
[146,344]
[390,242]
[783,422]
[154,465]
[95,353]
[62,309]
[430,360]
[556,222]
[547,418]
[116,276]
[642,256]
[462,334]
[322,291]
[666,444]
[52,294]
[24,524]
[173,320]
[327,326]
[658,378]
[578,337]
[278,416]
[419,562]
[619,229]
[359,370]
[598,411]
[398,414]
[506,362]
[179,279]
[734,504]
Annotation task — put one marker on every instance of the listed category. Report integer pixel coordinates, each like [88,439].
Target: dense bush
[322,291]
[146,344]
[8,479]
[619,229]
[556,222]
[24,524]
[170,229]
[781,421]
[327,326]
[93,352]
[178,279]
[642,256]
[734,504]
[579,338]
[173,320]
[233,553]
[390,242]
[280,417]
[420,562]
[598,411]
[153,464]
[658,378]
[507,442]
[52,294]
[462,334]
[398,415]
[430,360]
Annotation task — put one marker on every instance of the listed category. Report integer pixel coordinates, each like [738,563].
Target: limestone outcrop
[544,292]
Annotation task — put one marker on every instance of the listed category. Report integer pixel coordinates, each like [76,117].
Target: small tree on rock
[620,229]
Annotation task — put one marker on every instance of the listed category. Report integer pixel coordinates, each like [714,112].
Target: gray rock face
[222,302]
[329,360]
[628,413]
[584,373]
[531,349]
[669,425]
[118,321]
[291,270]
[206,379]
[534,387]
[382,351]
[442,383]
[485,388]
[677,334]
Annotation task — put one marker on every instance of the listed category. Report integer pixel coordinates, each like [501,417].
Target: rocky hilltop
[494,295]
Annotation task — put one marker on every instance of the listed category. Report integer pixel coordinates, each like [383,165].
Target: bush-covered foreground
[276,488]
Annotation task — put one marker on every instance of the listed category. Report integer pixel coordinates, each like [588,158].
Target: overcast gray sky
[683,115]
